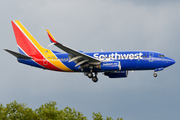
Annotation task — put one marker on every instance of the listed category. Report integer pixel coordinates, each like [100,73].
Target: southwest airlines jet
[114,64]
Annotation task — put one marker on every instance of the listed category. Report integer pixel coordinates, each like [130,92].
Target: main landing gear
[90,75]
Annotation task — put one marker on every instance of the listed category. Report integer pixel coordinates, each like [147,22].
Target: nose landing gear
[156,70]
[155,74]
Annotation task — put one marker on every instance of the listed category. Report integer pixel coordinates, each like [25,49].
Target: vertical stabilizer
[28,46]
[25,41]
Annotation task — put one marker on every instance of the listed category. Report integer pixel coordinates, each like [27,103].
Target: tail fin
[25,41]
[30,47]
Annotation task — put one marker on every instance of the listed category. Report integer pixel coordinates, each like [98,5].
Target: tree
[16,111]
[48,111]
[98,116]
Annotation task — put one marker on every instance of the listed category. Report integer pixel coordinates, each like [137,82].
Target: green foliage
[48,111]
[16,111]
[98,116]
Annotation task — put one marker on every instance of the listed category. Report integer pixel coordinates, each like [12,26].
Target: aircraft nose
[171,61]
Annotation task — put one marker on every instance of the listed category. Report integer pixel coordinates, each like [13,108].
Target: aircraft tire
[94,79]
[86,74]
[155,74]
[90,75]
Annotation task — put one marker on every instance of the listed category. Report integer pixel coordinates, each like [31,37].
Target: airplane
[114,64]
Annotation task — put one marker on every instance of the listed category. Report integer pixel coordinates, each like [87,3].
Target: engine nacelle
[118,74]
[110,66]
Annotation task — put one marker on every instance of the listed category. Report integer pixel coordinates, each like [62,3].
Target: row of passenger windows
[120,57]
[62,59]
[144,56]
[66,59]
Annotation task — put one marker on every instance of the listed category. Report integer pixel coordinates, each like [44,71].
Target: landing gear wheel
[90,75]
[86,74]
[155,74]
[94,79]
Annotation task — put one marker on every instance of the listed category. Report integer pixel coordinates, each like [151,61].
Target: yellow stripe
[55,61]
[48,54]
[50,34]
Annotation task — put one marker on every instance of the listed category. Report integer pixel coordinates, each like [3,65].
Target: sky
[90,26]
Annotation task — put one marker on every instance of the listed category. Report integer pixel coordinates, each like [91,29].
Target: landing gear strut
[90,75]
[95,79]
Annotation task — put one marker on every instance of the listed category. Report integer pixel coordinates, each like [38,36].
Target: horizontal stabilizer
[18,55]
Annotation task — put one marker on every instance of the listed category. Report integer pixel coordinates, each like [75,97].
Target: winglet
[52,39]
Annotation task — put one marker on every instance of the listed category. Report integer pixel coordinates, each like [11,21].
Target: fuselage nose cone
[172,61]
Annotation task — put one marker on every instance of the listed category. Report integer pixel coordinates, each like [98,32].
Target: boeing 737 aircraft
[114,64]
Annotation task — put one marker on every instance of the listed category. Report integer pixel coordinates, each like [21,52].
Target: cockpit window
[161,56]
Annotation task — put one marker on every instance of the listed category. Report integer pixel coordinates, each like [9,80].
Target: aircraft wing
[76,56]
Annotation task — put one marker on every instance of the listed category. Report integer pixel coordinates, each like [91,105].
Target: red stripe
[30,49]
[52,40]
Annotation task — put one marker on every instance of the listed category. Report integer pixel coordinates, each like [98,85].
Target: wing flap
[81,62]
[75,58]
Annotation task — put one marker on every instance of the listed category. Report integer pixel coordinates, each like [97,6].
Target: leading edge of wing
[70,50]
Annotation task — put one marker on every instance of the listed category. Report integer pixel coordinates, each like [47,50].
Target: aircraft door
[151,55]
[45,62]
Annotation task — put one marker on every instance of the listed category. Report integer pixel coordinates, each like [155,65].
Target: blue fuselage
[130,60]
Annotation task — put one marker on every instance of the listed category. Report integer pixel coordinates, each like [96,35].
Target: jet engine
[117,74]
[109,66]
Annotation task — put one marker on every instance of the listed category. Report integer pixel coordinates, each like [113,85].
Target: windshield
[161,56]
